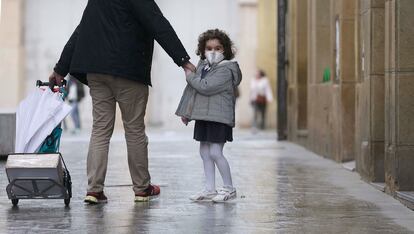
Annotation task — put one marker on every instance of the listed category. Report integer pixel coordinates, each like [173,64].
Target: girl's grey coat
[211,98]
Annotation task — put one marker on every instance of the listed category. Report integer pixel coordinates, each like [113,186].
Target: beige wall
[343,27]
[322,114]
[321,125]
[267,49]
[247,58]
[370,93]
[399,86]
[11,53]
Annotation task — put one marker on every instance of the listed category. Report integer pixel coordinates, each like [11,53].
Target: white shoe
[203,196]
[225,194]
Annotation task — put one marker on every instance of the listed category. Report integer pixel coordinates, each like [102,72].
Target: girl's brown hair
[220,35]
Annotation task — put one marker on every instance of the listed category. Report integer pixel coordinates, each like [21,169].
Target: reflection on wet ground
[307,203]
[282,188]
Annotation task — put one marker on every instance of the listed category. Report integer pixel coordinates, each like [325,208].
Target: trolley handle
[51,85]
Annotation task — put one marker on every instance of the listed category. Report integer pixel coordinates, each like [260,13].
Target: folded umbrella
[23,119]
[37,116]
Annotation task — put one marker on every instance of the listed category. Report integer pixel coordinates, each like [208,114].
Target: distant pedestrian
[260,95]
[111,51]
[209,99]
[75,96]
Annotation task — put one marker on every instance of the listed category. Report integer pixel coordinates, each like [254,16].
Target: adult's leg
[103,105]
[216,152]
[132,98]
[209,167]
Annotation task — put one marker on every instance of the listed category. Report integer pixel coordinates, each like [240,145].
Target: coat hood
[232,65]
[235,69]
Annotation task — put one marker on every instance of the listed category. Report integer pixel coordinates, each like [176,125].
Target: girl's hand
[188,72]
[185,120]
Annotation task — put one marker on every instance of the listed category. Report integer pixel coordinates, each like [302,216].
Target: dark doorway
[281,72]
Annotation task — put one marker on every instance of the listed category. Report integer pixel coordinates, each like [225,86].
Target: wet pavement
[282,188]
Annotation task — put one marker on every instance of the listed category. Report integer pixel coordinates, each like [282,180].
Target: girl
[209,99]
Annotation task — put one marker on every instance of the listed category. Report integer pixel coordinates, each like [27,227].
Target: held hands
[189,68]
[185,120]
[54,77]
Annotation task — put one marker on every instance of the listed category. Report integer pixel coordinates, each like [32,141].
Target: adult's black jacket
[116,37]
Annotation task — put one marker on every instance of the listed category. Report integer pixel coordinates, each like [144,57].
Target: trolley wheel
[67,201]
[15,202]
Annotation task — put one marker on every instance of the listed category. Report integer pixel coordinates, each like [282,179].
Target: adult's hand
[189,67]
[56,78]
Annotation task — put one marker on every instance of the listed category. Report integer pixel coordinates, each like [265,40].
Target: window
[337,50]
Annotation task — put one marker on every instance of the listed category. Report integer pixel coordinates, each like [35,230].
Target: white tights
[212,155]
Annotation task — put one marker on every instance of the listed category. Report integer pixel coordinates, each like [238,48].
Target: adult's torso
[112,41]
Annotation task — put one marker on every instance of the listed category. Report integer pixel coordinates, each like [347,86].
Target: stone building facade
[351,86]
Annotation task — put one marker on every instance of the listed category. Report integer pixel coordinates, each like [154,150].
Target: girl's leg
[256,115]
[209,167]
[216,153]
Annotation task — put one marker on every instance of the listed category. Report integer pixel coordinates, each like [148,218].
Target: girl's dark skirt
[207,131]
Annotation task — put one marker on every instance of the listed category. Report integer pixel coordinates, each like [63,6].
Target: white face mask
[214,57]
